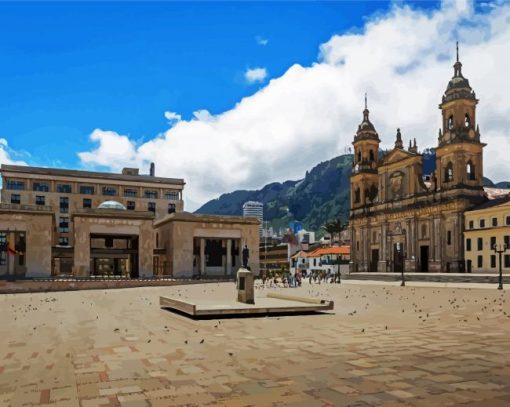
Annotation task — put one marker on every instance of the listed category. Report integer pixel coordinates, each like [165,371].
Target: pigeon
[202,341]
[230,354]
[149,341]
[186,342]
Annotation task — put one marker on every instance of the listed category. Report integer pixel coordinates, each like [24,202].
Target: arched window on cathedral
[371,155]
[357,196]
[467,121]
[448,172]
[423,231]
[450,123]
[470,171]
[359,155]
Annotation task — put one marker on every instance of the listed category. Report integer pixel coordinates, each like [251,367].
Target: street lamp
[399,250]
[500,250]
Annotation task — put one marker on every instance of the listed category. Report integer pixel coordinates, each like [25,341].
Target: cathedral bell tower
[459,155]
[364,178]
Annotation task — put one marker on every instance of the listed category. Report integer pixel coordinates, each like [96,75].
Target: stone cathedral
[398,220]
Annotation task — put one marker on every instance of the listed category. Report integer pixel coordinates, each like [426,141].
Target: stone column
[229,257]
[202,257]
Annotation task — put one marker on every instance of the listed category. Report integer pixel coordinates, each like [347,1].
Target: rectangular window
[493,261]
[87,203]
[172,195]
[64,188]
[507,260]
[151,194]
[493,242]
[131,205]
[109,191]
[151,207]
[449,237]
[171,208]
[508,220]
[494,222]
[482,223]
[63,241]
[15,185]
[480,243]
[40,200]
[64,204]
[471,224]
[480,261]
[86,190]
[15,199]
[63,226]
[468,245]
[40,186]
[507,241]
[3,249]
[130,193]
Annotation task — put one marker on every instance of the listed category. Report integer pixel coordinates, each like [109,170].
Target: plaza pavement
[383,345]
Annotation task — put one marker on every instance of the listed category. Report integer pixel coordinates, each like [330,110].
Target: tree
[334,227]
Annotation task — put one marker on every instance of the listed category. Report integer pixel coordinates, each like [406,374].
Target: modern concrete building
[485,226]
[56,222]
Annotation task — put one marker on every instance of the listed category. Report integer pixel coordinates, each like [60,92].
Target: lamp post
[401,258]
[500,249]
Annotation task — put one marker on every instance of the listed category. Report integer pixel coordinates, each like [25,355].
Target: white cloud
[261,40]
[402,59]
[6,154]
[253,75]
[172,117]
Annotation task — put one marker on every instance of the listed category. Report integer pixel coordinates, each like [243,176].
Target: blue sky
[68,68]
[260,92]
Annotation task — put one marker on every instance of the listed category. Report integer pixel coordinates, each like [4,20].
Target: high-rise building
[254,209]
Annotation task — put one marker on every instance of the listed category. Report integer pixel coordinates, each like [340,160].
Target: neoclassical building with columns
[397,220]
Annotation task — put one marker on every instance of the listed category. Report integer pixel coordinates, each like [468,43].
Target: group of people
[288,279]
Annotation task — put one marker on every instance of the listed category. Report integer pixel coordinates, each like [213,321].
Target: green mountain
[322,195]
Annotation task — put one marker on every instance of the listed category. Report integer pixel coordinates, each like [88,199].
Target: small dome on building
[112,205]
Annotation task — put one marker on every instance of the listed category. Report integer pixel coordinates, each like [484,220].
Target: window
[482,223]
[109,191]
[64,188]
[129,192]
[494,221]
[86,190]
[63,241]
[357,245]
[15,199]
[470,171]
[507,241]
[151,194]
[87,203]
[480,243]
[64,204]
[423,231]
[15,185]
[468,245]
[157,239]
[171,208]
[131,205]
[493,261]
[40,186]
[448,172]
[63,226]
[507,260]
[471,224]
[151,207]
[467,121]
[40,200]
[508,220]
[449,237]
[357,195]
[480,261]
[3,251]
[359,155]
[371,155]
[450,122]
[493,242]
[172,195]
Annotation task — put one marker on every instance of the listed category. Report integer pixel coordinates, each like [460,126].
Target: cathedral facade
[399,221]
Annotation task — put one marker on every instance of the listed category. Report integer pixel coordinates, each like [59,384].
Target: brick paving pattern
[381,346]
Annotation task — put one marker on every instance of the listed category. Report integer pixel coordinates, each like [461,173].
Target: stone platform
[273,303]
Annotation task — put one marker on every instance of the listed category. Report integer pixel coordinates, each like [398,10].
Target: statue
[246,256]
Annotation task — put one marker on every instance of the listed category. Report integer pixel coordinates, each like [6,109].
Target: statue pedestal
[245,286]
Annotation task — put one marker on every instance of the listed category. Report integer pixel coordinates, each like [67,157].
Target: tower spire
[457,45]
[366,108]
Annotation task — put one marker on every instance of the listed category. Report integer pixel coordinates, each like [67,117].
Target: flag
[10,248]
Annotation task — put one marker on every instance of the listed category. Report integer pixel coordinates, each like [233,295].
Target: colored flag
[10,248]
